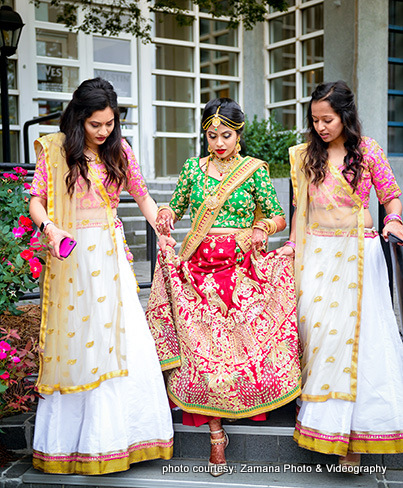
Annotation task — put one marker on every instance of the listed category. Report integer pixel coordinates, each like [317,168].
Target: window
[64,59]
[192,65]
[294,60]
[395,81]
[57,63]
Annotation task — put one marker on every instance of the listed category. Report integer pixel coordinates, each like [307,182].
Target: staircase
[259,455]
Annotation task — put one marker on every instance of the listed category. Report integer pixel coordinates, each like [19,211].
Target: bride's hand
[164,222]
[259,242]
[164,241]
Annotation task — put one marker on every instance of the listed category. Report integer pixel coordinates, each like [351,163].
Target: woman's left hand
[393,227]
[259,242]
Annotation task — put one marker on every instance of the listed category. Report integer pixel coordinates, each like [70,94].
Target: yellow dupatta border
[205,217]
[46,281]
[299,191]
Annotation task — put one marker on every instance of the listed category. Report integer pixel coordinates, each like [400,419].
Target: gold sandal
[346,462]
[217,469]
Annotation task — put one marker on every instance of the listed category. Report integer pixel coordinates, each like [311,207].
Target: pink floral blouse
[377,172]
[135,183]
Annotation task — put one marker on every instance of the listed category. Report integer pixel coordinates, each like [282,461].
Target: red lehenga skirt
[225,325]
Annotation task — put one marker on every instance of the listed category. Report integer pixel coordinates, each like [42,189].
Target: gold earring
[238,145]
[209,149]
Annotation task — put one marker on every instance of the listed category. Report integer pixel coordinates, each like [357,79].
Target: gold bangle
[271,226]
[166,207]
[261,226]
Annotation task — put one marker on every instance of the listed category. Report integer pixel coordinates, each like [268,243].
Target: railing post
[385,247]
[151,248]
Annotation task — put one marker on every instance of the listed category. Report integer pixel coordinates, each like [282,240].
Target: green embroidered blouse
[238,210]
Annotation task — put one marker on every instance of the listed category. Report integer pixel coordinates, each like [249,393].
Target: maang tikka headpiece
[217,119]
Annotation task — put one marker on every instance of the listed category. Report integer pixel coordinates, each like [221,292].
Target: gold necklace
[224,166]
[97,159]
[210,195]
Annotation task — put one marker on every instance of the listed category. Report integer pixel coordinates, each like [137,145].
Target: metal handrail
[27,125]
[397,267]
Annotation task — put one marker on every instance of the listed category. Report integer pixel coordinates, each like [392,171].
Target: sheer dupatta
[79,352]
[329,267]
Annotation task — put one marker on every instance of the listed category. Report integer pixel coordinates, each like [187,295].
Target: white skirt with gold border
[125,419]
[374,422]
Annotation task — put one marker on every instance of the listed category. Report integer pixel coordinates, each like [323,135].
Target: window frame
[299,69]
[196,78]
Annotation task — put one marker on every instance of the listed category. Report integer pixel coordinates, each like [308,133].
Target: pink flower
[129,256]
[34,244]
[15,360]
[5,376]
[27,254]
[20,170]
[27,186]
[18,231]
[4,346]
[3,355]
[13,177]
[36,267]
[6,175]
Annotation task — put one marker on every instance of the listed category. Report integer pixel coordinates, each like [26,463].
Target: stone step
[138,222]
[192,474]
[259,455]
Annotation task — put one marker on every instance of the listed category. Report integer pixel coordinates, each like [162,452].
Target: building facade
[164,85]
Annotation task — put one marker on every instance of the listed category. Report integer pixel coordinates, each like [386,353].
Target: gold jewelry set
[223,166]
[210,195]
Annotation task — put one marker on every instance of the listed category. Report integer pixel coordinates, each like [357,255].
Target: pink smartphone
[66,246]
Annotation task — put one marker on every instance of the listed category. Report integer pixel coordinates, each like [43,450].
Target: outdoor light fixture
[11,26]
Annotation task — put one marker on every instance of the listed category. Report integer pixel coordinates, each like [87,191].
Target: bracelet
[261,227]
[291,244]
[166,207]
[266,225]
[392,216]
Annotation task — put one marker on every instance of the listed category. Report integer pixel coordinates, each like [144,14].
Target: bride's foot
[352,459]
[219,441]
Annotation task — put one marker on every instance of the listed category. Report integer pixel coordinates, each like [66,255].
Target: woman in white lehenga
[104,404]
[352,396]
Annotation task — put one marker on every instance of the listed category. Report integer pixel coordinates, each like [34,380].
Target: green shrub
[268,140]
[20,258]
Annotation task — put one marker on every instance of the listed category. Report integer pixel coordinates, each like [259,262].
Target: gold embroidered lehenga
[352,363]
[223,322]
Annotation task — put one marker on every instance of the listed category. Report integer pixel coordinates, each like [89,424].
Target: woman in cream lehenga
[103,404]
[352,364]
[222,312]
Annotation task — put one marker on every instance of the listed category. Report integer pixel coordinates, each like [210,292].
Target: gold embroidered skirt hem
[87,464]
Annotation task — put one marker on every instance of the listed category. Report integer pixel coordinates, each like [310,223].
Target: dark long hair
[228,107]
[90,96]
[341,99]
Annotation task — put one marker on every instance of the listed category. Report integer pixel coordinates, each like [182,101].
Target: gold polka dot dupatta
[80,333]
[329,265]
